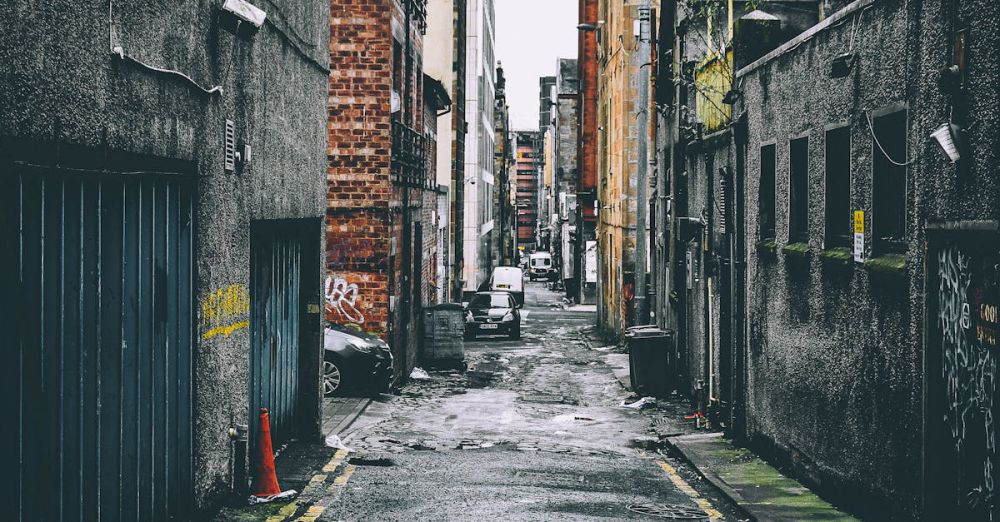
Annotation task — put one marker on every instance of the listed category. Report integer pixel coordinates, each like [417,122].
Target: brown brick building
[527,165]
[377,171]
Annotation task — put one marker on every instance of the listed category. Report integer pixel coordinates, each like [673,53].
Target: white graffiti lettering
[968,369]
[341,300]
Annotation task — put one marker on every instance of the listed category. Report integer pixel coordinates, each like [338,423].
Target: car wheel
[332,379]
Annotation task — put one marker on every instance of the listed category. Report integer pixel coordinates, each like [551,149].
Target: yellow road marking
[286,511]
[317,480]
[335,461]
[341,480]
[311,514]
[705,505]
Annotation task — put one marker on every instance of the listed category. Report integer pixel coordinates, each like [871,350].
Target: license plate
[503,286]
[488,326]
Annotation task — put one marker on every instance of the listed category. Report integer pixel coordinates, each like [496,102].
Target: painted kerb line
[705,505]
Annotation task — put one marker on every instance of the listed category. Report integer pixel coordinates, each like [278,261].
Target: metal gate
[963,331]
[97,361]
[275,308]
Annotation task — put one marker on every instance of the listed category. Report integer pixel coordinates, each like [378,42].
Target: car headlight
[508,317]
[469,318]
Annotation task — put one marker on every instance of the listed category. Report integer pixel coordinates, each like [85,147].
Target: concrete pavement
[533,430]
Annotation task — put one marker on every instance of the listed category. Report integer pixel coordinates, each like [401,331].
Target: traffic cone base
[265,483]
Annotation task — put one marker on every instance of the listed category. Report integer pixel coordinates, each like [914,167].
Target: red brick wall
[364,213]
[587,64]
[429,203]
[359,147]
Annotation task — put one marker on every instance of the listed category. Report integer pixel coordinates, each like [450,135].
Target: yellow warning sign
[859,221]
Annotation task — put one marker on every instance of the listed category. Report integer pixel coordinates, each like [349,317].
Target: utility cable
[118,51]
[871,128]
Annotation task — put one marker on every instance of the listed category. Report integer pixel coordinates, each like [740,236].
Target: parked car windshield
[490,301]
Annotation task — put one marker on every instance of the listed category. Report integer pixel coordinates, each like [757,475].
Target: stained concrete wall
[61,83]
[700,327]
[836,372]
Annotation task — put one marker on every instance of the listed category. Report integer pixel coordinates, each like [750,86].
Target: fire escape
[409,168]
[408,145]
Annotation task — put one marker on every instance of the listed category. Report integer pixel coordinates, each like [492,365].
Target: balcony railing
[418,13]
[409,166]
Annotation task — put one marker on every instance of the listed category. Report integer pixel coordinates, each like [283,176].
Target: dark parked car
[492,313]
[355,361]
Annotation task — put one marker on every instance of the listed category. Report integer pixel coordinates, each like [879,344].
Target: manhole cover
[669,511]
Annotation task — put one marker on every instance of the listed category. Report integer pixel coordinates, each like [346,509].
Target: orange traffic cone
[265,483]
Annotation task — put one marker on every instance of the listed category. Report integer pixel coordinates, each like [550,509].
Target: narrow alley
[533,430]
[275,260]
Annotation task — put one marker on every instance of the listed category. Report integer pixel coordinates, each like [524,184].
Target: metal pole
[642,205]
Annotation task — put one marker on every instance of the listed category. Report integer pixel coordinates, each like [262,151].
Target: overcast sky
[531,36]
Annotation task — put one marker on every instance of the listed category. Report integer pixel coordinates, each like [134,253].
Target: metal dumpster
[649,350]
[443,342]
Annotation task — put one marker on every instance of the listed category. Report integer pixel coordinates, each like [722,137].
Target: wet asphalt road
[533,431]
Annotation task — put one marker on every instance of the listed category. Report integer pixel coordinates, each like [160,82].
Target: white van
[540,266]
[509,279]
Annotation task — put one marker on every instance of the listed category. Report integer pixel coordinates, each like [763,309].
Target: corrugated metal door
[99,371]
[276,264]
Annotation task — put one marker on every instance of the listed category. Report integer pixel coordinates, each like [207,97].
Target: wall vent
[230,145]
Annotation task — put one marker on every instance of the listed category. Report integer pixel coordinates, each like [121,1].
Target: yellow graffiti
[225,311]
[225,330]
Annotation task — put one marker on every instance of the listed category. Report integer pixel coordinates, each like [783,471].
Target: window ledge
[894,264]
[798,250]
[837,256]
[767,247]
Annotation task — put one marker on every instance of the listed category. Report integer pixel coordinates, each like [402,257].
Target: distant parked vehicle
[355,361]
[492,313]
[509,279]
[540,266]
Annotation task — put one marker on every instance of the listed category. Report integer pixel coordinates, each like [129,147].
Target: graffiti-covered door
[275,321]
[963,330]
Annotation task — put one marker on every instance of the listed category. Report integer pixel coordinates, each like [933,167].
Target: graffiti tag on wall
[342,300]
[225,311]
[968,368]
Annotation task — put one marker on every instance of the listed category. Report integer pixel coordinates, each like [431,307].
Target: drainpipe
[238,436]
[407,243]
[678,198]
[738,278]
[642,203]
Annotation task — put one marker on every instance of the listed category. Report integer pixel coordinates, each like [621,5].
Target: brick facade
[369,278]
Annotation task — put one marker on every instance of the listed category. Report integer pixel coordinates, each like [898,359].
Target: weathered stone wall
[365,202]
[62,83]
[835,349]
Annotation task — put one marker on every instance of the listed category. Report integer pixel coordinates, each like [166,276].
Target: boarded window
[766,192]
[889,179]
[838,188]
[798,191]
